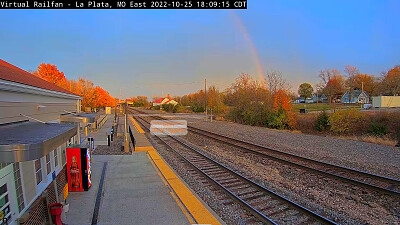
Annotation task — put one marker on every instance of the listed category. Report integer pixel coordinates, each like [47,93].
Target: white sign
[168,127]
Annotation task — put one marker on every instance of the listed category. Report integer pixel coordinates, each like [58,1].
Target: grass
[322,106]
[385,140]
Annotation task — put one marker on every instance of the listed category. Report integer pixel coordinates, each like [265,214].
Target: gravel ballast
[345,203]
[342,202]
[229,213]
[373,158]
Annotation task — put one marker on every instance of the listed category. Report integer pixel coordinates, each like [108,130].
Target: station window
[18,187]
[38,171]
[55,158]
[5,211]
[63,155]
[48,166]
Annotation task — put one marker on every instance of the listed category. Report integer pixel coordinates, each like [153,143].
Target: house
[299,100]
[309,100]
[385,101]
[32,144]
[319,98]
[355,96]
[163,101]
[171,101]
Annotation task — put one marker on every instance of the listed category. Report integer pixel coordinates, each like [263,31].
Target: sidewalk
[133,193]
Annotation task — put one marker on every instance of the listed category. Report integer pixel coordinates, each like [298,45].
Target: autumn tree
[92,96]
[332,83]
[306,90]
[282,101]
[51,74]
[364,82]
[283,116]
[139,101]
[334,88]
[391,81]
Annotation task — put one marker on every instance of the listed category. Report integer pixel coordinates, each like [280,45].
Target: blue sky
[154,52]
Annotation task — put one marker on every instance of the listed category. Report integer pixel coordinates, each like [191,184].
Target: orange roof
[12,73]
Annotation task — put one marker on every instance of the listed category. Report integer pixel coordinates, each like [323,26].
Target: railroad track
[263,204]
[372,181]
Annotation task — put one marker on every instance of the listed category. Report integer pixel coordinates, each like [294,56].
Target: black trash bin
[303,110]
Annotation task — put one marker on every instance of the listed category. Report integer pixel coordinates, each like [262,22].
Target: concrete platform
[133,193]
[194,208]
[137,189]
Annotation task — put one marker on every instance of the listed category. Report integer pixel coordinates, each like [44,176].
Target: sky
[160,52]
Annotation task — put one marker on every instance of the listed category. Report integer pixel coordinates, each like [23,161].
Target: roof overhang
[80,117]
[32,140]
[12,86]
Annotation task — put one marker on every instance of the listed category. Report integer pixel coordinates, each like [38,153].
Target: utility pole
[362,92]
[205,96]
[126,142]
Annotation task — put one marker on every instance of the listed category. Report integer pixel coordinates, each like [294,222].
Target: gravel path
[114,149]
[373,158]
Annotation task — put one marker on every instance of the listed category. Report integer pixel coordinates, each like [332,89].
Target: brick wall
[37,214]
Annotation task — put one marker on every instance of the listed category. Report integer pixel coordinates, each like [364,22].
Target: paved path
[100,136]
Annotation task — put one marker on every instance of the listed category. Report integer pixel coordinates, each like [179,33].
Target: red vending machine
[78,167]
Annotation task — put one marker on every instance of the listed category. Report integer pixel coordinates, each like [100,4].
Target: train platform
[136,189]
[191,204]
[131,192]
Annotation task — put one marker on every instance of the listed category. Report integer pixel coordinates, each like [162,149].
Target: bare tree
[275,81]
[351,72]
[331,81]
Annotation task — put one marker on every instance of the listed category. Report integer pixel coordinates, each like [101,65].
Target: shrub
[178,109]
[377,129]
[281,119]
[347,121]
[322,122]
[167,107]
[197,108]
[306,122]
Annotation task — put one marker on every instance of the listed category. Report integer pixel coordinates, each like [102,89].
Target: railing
[102,122]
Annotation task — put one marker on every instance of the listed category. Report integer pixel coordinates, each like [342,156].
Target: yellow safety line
[144,149]
[139,129]
[183,208]
[195,207]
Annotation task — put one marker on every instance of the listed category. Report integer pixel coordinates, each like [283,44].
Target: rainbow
[239,23]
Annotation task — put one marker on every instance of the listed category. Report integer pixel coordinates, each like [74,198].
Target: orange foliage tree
[92,96]
[51,74]
[392,81]
[282,100]
[284,116]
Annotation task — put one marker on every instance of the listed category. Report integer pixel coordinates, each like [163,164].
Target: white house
[163,101]
[32,144]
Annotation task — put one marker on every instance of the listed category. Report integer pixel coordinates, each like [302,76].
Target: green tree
[305,90]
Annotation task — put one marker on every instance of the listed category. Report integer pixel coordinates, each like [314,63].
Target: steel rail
[280,156]
[252,210]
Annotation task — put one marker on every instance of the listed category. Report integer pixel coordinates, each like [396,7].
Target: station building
[32,144]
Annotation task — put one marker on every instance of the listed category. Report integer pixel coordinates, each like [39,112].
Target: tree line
[92,96]
[334,84]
